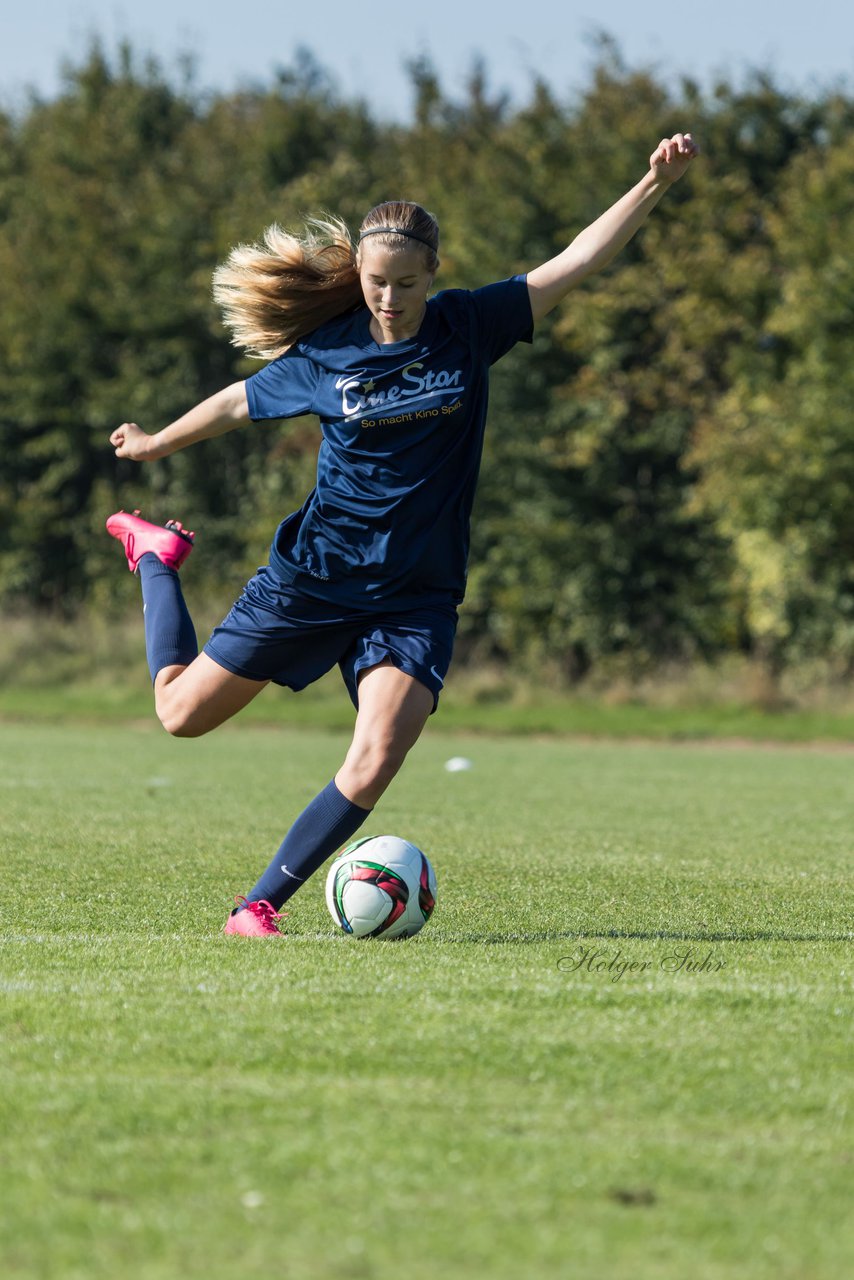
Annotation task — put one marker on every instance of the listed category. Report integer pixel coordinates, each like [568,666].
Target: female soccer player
[370,571]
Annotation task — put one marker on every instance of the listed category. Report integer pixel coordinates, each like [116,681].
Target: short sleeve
[284,388]
[504,316]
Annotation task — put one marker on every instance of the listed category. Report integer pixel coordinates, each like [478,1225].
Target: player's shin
[321,829]
[170,637]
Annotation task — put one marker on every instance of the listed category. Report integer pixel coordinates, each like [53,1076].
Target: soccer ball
[381,887]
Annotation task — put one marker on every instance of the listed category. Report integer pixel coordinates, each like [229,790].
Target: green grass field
[621,1049]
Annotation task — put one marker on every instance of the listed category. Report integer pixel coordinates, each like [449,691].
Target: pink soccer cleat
[255,920]
[171,543]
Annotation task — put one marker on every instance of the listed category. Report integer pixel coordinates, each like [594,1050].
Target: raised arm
[595,246]
[215,416]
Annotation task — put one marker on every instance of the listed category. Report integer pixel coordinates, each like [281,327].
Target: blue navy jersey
[402,428]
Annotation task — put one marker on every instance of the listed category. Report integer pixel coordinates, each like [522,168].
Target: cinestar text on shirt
[411,387]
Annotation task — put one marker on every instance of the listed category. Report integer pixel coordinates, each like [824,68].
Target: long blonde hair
[275,292]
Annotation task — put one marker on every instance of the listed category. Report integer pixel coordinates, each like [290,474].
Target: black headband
[395,231]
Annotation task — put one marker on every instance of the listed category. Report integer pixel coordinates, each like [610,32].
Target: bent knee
[178,728]
[179,721]
[370,772]
[378,773]
[183,730]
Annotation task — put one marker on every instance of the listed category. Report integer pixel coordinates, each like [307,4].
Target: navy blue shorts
[275,633]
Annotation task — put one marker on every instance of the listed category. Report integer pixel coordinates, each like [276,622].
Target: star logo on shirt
[368,386]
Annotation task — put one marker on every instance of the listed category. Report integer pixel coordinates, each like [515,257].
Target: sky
[804,45]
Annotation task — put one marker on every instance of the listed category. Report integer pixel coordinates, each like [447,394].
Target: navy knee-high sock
[320,829]
[170,636]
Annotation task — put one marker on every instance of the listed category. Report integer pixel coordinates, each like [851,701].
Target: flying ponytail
[274,293]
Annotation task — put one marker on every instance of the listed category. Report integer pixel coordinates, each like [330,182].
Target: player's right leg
[192,693]
[192,700]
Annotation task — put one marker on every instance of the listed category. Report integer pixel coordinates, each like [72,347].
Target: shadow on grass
[647,935]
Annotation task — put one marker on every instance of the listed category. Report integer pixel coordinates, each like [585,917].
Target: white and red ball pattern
[381,887]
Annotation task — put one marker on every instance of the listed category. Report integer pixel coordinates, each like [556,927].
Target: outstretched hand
[130,441]
[672,156]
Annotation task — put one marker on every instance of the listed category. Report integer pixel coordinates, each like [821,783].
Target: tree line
[669,471]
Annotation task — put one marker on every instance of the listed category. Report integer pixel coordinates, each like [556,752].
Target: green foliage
[668,473]
[776,448]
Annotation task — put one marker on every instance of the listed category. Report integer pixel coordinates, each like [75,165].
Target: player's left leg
[393,709]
